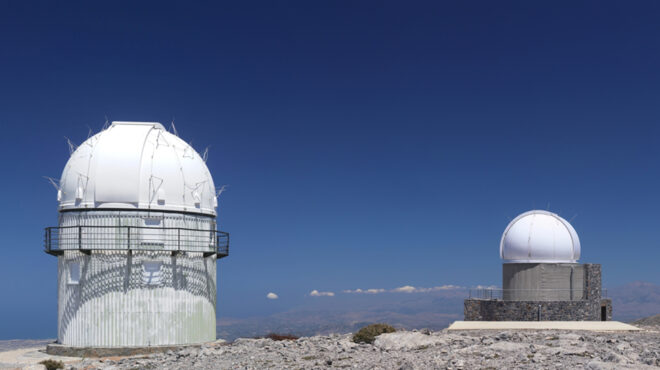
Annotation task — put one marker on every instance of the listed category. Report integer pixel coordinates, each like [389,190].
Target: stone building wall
[586,309]
[498,310]
[592,281]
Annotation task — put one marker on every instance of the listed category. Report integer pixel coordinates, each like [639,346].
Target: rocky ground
[416,350]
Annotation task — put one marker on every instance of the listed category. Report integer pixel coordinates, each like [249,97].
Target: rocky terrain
[416,350]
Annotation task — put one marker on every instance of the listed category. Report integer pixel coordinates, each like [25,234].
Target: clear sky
[369,144]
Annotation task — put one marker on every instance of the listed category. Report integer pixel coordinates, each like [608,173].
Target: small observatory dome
[539,237]
[143,167]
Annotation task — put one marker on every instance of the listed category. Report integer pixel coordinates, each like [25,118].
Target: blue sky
[365,144]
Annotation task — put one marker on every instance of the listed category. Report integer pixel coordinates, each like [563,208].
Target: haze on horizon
[365,145]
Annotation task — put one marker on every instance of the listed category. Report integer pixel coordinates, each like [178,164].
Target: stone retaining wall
[497,310]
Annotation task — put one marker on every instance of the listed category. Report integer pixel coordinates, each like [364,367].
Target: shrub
[369,333]
[52,364]
[278,337]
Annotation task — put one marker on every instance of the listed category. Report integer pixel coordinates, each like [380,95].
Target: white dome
[539,237]
[137,165]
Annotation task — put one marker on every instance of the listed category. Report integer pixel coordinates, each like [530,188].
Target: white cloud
[404,289]
[448,287]
[486,287]
[272,295]
[437,288]
[366,291]
[352,291]
[316,293]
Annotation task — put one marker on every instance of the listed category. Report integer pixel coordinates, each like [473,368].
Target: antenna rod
[173,128]
[54,182]
[221,190]
[72,146]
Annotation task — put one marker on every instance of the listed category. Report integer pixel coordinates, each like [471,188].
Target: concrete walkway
[29,358]
[543,325]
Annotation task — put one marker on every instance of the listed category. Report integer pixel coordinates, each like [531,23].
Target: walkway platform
[543,325]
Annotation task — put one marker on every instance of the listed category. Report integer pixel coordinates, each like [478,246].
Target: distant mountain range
[12,344]
[348,312]
[635,300]
[434,310]
[649,321]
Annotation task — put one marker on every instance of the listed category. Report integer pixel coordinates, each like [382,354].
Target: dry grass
[278,337]
[369,333]
[52,364]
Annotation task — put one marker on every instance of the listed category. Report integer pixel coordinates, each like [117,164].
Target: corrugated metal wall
[141,298]
[542,281]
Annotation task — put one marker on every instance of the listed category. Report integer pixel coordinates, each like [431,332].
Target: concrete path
[543,325]
[29,358]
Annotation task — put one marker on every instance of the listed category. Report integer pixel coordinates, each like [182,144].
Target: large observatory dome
[539,237]
[139,166]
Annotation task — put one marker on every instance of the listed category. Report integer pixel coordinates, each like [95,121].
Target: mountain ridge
[432,310]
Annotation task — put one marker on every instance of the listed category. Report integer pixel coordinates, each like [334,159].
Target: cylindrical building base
[136,299]
[542,281]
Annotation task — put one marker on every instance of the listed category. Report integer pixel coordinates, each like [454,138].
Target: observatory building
[541,277]
[137,241]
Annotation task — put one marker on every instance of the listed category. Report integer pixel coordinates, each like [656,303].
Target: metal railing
[531,294]
[135,238]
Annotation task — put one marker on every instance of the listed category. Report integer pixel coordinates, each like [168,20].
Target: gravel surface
[417,350]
